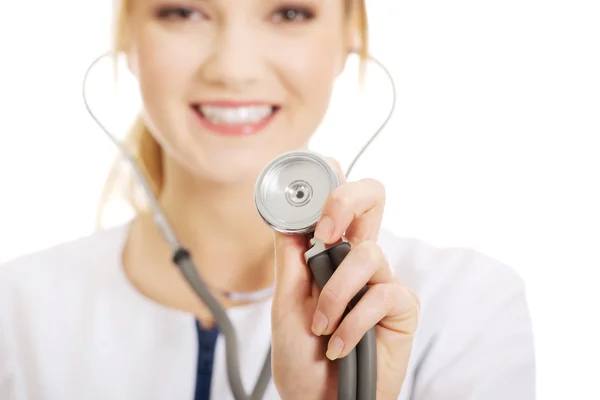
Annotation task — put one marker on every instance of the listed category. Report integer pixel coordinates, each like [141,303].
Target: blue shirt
[206,352]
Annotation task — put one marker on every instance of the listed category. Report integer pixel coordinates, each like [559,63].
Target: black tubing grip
[348,376]
[321,268]
[366,353]
[338,253]
[180,254]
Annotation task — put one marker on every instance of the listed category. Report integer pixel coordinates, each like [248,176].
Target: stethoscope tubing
[357,372]
[357,375]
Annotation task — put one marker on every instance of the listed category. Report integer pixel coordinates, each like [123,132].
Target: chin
[231,166]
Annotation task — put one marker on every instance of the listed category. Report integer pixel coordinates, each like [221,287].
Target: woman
[226,86]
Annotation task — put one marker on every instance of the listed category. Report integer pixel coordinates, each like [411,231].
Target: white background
[494,143]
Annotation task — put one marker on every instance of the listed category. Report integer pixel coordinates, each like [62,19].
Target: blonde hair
[140,142]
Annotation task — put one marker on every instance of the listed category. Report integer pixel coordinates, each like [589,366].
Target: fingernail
[335,348]
[324,229]
[319,323]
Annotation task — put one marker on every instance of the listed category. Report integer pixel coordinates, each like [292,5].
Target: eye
[178,13]
[293,14]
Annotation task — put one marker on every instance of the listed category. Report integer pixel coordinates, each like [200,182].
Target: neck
[218,223]
[231,246]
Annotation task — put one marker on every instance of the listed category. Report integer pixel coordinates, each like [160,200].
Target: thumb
[292,277]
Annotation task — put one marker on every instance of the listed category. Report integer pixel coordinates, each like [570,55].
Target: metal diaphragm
[291,190]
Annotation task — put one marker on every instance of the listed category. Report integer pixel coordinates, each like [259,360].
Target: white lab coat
[73,328]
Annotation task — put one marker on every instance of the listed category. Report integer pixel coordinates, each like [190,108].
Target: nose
[234,59]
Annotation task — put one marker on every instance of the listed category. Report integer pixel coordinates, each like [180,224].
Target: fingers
[354,208]
[364,264]
[389,304]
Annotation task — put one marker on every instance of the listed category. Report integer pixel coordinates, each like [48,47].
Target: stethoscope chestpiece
[291,190]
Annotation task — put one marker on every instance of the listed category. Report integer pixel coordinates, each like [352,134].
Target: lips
[235,115]
[234,118]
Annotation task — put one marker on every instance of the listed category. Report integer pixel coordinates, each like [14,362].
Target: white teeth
[235,115]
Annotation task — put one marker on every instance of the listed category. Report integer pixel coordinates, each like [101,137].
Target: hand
[302,315]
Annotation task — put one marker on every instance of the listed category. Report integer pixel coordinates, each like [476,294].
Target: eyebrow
[289,2]
[285,2]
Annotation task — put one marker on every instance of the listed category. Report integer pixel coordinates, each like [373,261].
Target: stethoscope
[289,195]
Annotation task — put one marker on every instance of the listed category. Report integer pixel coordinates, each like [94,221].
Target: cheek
[309,70]
[165,67]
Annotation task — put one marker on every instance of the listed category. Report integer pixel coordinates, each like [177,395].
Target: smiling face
[228,84]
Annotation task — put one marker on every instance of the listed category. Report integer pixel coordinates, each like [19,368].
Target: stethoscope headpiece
[291,190]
